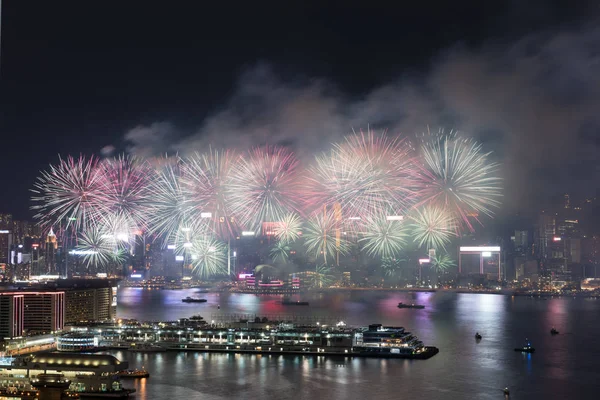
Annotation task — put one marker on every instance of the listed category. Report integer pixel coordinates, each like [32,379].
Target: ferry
[193,300]
[527,348]
[403,305]
[390,342]
[134,373]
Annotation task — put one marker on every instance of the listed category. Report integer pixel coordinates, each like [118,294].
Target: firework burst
[455,174]
[69,193]
[432,227]
[366,175]
[322,237]
[263,186]
[383,238]
[98,248]
[280,252]
[209,257]
[442,263]
[205,178]
[288,230]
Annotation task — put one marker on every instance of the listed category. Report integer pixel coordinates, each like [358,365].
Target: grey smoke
[534,102]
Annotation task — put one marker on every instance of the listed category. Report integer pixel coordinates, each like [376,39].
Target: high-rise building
[544,234]
[6,237]
[520,242]
[33,311]
[50,247]
[90,304]
[11,316]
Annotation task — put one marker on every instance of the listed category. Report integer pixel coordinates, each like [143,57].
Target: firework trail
[205,177]
[383,238]
[209,257]
[366,174]
[432,227]
[456,175]
[124,191]
[289,229]
[69,193]
[99,248]
[321,240]
[263,186]
[168,213]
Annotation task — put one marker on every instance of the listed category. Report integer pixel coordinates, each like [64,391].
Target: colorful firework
[392,267]
[322,277]
[322,237]
[99,249]
[383,238]
[169,215]
[280,252]
[205,178]
[457,176]
[442,263]
[366,175]
[209,257]
[263,186]
[69,193]
[125,184]
[289,229]
[432,227]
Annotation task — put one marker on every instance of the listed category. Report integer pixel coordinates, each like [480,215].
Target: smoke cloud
[534,103]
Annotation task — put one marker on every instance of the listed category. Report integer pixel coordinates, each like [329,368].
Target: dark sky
[76,78]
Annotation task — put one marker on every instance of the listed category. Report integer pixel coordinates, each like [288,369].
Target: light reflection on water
[564,366]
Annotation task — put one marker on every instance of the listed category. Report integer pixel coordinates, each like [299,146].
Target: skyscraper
[50,248]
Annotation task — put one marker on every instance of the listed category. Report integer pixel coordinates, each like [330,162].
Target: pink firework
[204,181]
[367,175]
[69,194]
[264,186]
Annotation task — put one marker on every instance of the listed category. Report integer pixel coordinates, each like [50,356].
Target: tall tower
[50,252]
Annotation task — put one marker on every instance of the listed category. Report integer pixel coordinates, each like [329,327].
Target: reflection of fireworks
[263,186]
[204,180]
[288,229]
[99,248]
[125,187]
[383,238]
[320,237]
[432,227]
[366,175]
[209,257]
[68,192]
[456,175]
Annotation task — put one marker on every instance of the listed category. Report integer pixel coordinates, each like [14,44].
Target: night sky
[128,76]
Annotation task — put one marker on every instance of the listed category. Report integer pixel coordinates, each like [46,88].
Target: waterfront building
[90,304]
[31,312]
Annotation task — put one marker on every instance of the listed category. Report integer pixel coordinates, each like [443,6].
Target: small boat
[506,392]
[527,348]
[193,300]
[554,331]
[402,305]
[134,373]
[478,336]
[294,303]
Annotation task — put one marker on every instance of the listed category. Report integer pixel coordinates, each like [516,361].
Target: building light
[486,254]
[206,215]
[354,218]
[557,239]
[247,233]
[186,229]
[394,217]
[136,275]
[424,260]
[171,247]
[178,258]
[187,245]
[478,249]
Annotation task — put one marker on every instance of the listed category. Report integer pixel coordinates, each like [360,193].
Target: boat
[145,348]
[193,300]
[403,305]
[294,303]
[391,342]
[554,331]
[506,392]
[478,336]
[134,373]
[527,348]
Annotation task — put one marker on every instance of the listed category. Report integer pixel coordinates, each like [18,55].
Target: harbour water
[564,366]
